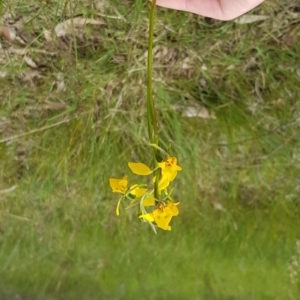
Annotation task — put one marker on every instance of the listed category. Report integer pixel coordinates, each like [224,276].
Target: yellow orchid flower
[121,186]
[169,168]
[162,215]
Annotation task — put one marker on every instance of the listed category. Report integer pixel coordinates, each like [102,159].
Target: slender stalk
[151,115]
[152,122]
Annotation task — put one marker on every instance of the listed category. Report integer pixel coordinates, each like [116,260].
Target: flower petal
[118,206]
[172,208]
[162,220]
[137,191]
[163,183]
[147,217]
[162,165]
[149,201]
[139,168]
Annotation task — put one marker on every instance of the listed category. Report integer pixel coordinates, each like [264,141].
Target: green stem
[151,115]
[152,122]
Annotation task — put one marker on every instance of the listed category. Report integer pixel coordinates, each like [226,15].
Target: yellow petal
[162,221]
[147,217]
[169,173]
[117,208]
[172,176]
[139,168]
[162,165]
[178,168]
[149,201]
[172,209]
[163,183]
[138,192]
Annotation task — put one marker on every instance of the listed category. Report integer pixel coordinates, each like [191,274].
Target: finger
[218,9]
[207,8]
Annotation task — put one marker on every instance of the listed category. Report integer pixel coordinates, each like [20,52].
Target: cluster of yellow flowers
[139,194]
[165,171]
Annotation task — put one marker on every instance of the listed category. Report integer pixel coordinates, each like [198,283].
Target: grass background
[78,116]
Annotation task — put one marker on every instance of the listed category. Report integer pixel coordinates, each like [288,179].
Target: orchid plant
[158,195]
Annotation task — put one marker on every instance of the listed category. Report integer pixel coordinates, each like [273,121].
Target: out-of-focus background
[72,114]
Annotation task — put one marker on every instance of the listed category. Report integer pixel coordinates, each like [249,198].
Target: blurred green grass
[239,188]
